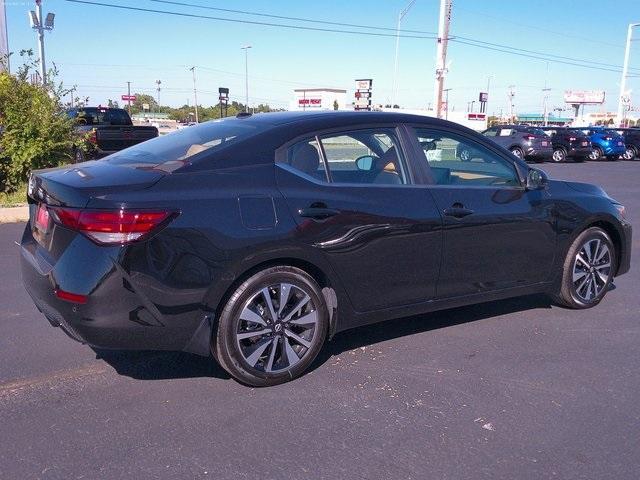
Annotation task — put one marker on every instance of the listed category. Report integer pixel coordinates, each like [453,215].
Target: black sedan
[258,238]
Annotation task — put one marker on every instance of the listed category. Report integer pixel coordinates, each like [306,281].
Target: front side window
[360,157]
[456,160]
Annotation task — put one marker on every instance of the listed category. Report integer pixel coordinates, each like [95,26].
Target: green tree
[36,132]
[335,105]
[112,104]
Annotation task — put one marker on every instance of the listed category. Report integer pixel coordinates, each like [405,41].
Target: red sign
[128,98]
[309,101]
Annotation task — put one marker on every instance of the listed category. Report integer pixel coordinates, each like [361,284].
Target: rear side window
[352,157]
[176,149]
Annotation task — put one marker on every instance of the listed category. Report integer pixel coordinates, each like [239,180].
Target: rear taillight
[572,139]
[113,227]
[529,137]
[608,139]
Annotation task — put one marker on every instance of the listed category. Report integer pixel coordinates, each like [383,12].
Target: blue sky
[100,48]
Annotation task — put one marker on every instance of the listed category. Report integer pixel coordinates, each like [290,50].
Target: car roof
[331,117]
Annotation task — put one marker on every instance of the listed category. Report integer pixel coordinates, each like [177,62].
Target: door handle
[318,213]
[457,211]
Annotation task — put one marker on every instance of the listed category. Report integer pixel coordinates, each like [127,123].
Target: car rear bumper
[118,313]
[579,151]
[539,153]
[614,149]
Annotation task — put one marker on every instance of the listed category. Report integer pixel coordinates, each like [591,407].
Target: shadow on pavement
[146,365]
[380,332]
[169,365]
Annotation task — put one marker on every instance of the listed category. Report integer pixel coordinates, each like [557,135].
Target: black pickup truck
[104,131]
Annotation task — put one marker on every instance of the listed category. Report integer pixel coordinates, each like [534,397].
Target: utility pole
[625,69]
[446,112]
[158,82]
[246,76]
[4,39]
[545,112]
[511,94]
[195,92]
[441,53]
[394,87]
[129,95]
[35,17]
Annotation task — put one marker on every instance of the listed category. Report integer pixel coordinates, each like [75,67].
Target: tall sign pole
[4,39]
[441,52]
[625,70]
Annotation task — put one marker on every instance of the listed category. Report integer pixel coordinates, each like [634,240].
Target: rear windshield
[100,116]
[174,150]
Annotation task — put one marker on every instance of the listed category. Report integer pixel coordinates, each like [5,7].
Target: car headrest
[305,158]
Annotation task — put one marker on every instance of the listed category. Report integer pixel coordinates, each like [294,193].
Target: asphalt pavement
[517,389]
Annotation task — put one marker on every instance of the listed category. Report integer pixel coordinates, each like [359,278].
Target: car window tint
[305,158]
[364,156]
[490,133]
[456,160]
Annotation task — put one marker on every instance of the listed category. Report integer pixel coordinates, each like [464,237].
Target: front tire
[596,154]
[630,153]
[272,327]
[517,151]
[588,270]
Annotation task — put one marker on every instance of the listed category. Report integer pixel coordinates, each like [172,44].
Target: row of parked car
[558,144]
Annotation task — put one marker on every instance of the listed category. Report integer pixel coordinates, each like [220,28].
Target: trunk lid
[75,185]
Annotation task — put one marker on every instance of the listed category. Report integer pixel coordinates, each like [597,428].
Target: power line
[250,22]
[297,19]
[537,56]
[555,32]
[535,52]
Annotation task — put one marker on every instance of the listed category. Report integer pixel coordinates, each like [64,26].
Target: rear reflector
[112,227]
[71,297]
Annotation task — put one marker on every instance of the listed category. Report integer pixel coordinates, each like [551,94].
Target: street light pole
[195,92]
[158,82]
[625,69]
[40,25]
[4,39]
[394,87]
[246,76]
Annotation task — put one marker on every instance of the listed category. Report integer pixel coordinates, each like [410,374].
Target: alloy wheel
[276,328]
[517,152]
[558,156]
[629,154]
[591,269]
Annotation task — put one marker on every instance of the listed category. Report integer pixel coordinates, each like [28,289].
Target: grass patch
[19,197]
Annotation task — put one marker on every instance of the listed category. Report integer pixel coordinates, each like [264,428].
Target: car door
[356,202]
[497,234]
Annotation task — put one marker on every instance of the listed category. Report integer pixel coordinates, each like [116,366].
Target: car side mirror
[536,179]
[365,163]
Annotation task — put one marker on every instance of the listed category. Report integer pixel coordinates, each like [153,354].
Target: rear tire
[559,155]
[587,270]
[630,153]
[272,327]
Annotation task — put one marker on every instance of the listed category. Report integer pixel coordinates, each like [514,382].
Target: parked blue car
[604,143]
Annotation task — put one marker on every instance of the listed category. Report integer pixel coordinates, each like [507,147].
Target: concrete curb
[14,214]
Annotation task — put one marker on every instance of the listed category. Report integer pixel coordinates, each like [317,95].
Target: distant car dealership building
[318,99]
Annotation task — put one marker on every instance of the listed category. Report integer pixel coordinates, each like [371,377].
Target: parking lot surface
[512,389]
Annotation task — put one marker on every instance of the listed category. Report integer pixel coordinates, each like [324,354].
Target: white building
[318,99]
